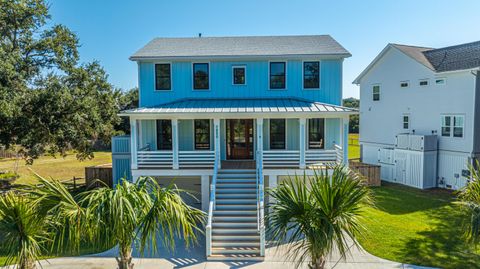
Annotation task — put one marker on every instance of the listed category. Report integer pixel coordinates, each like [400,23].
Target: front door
[240,139]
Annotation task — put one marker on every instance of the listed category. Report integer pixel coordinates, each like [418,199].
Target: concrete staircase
[234,226]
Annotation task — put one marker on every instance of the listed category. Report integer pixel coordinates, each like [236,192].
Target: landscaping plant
[318,214]
[470,197]
[138,212]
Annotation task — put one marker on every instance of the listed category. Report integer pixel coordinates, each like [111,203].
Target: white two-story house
[422,91]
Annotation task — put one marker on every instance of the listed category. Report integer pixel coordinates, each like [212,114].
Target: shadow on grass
[398,199]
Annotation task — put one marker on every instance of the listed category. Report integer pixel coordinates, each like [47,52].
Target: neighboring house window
[406,122]
[316,133]
[376,93]
[440,81]
[163,79]
[164,134]
[311,75]
[404,84]
[277,134]
[277,75]
[202,134]
[455,123]
[239,75]
[201,76]
[423,82]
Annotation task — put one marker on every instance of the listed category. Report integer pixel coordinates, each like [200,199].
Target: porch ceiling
[241,105]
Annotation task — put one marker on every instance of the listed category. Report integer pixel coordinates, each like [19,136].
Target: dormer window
[163,77]
[201,72]
[277,75]
[311,75]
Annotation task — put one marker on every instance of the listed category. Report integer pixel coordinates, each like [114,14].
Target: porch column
[345,122]
[175,143]
[303,123]
[133,143]
[216,141]
[259,138]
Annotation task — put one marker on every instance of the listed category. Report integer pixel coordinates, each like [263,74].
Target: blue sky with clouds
[111,30]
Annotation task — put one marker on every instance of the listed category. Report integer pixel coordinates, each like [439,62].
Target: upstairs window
[423,82]
[202,134]
[316,133]
[277,134]
[376,93]
[163,79]
[277,75]
[164,135]
[406,122]
[201,76]
[440,81]
[239,75]
[453,123]
[311,75]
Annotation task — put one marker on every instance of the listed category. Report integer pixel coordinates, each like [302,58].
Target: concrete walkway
[276,258]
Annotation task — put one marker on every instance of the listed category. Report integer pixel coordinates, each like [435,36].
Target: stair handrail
[260,202]
[212,203]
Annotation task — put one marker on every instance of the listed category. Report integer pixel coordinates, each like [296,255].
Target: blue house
[227,116]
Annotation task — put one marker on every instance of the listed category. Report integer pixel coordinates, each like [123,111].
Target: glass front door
[240,139]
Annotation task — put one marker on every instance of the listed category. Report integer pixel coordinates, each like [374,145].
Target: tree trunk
[125,260]
[26,264]
[318,262]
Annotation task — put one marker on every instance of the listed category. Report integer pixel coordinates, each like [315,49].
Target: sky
[112,30]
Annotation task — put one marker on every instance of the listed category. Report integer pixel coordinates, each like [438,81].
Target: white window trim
[405,81]
[286,133]
[286,74]
[233,75]
[307,146]
[379,92]
[155,77]
[441,84]
[452,125]
[422,80]
[319,75]
[209,77]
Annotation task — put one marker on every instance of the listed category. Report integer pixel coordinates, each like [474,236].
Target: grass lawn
[353,148]
[417,227]
[58,168]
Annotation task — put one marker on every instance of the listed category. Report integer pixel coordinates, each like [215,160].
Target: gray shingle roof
[241,46]
[459,57]
[240,105]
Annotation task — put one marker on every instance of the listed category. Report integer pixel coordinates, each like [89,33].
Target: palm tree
[318,214]
[140,210]
[32,222]
[470,198]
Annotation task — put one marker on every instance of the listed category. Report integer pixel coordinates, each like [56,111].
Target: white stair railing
[339,153]
[211,205]
[260,202]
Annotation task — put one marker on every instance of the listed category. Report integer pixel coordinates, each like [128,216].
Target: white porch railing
[291,158]
[196,159]
[211,205]
[281,158]
[155,159]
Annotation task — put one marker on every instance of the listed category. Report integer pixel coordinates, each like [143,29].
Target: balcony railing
[291,158]
[186,159]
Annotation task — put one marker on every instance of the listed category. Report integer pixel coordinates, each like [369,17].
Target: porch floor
[238,164]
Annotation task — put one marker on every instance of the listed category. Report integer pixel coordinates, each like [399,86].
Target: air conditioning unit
[416,142]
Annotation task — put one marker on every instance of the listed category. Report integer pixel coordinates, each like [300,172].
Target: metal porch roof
[243,105]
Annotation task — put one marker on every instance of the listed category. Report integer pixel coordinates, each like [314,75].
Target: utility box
[416,160]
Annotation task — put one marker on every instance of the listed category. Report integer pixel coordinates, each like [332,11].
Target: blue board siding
[332,133]
[185,135]
[121,169]
[148,134]
[293,134]
[257,83]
